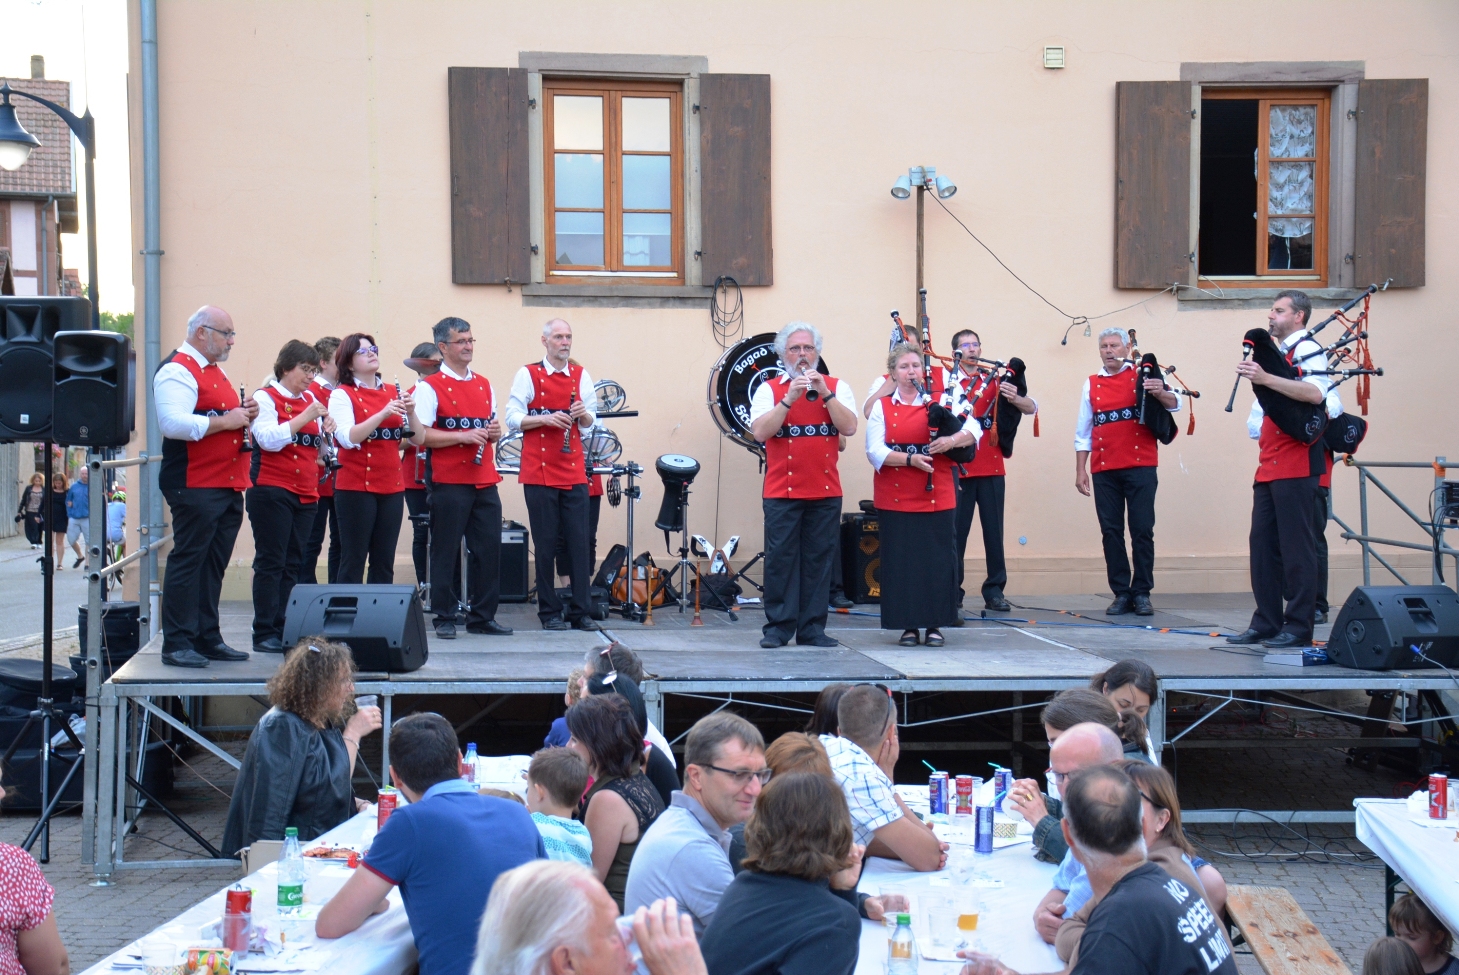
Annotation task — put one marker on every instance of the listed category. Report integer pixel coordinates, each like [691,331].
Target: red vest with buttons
[463,405]
[983,390]
[219,460]
[905,488]
[1283,458]
[373,466]
[295,466]
[319,389]
[1120,440]
[543,461]
[800,460]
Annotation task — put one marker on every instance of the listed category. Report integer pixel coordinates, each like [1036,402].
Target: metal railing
[1435,532]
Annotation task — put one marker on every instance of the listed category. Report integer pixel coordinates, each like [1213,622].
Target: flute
[405,431]
[481,448]
[567,434]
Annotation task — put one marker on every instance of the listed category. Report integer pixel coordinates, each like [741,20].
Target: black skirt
[918,569]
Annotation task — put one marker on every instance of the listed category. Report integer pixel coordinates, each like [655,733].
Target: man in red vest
[458,408]
[205,458]
[800,417]
[1123,453]
[551,403]
[1285,492]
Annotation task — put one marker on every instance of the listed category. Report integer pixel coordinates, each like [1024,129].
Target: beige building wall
[305,188]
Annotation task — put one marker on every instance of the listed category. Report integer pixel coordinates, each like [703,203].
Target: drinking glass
[942,911]
[160,958]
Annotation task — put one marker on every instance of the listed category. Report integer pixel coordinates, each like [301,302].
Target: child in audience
[556,780]
[558,735]
[1416,926]
[1391,956]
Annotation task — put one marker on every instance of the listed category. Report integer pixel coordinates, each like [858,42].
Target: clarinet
[481,448]
[247,442]
[405,431]
[567,434]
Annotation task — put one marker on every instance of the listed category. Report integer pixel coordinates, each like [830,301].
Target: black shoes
[934,637]
[489,628]
[79,560]
[820,641]
[184,658]
[586,623]
[995,602]
[1285,641]
[771,642]
[908,639]
[221,651]
[556,623]
[1142,605]
[1319,617]
[445,629]
[841,602]
[1248,637]
[1121,606]
[268,645]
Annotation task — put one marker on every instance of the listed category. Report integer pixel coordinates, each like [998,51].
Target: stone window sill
[615,296]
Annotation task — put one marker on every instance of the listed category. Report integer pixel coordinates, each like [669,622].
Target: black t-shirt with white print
[1152,923]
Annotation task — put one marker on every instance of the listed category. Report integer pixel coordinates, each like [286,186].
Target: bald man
[205,458]
[1082,746]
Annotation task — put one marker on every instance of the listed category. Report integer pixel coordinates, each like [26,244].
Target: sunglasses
[368,350]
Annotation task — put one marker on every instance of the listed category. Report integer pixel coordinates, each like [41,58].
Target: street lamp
[15,147]
[923,178]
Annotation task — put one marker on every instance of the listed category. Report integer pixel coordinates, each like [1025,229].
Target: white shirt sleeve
[425,403]
[589,396]
[844,396]
[518,399]
[871,391]
[761,403]
[1253,421]
[877,450]
[268,432]
[175,392]
[342,412]
[1084,427]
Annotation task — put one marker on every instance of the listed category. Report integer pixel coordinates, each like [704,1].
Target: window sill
[1248,298]
[606,295]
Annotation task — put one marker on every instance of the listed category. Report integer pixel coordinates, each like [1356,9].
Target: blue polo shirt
[444,853]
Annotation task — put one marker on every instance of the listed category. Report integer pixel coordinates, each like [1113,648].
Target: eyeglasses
[228,335]
[367,350]
[742,776]
[1151,801]
[463,342]
[801,349]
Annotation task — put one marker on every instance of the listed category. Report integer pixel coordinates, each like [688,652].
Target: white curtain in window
[1290,185]
[635,251]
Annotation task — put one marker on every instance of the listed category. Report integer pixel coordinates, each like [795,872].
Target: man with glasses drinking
[800,417]
[458,409]
[205,458]
[685,853]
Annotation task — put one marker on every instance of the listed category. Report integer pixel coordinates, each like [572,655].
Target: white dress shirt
[1084,429]
[764,399]
[269,432]
[877,450]
[523,391]
[342,412]
[175,392]
[426,402]
[1308,355]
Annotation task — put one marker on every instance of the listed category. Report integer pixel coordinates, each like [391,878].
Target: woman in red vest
[285,494]
[916,505]
[369,493]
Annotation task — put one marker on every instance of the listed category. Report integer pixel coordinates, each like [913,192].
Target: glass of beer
[969,908]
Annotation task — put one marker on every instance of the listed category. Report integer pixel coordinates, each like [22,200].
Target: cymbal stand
[630,610]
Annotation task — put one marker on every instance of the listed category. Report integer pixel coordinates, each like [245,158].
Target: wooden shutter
[734,146]
[1393,116]
[490,199]
[1152,183]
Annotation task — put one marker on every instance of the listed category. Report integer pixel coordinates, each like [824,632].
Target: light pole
[922,178]
[15,147]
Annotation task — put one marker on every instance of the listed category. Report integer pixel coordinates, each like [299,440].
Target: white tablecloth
[381,946]
[1427,857]
[1005,927]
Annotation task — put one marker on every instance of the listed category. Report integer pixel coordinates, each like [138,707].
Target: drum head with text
[741,371]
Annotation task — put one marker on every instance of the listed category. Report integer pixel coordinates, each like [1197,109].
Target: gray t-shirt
[683,855]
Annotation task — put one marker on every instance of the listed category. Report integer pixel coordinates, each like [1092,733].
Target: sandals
[909,639]
[934,637]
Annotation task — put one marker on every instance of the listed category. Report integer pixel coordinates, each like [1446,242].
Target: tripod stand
[685,568]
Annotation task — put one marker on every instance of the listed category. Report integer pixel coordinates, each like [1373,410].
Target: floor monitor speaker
[861,557]
[1378,626]
[384,626]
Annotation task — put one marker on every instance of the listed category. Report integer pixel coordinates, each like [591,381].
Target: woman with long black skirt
[916,505]
[369,493]
[284,499]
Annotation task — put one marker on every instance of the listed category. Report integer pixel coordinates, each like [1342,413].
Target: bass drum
[734,380]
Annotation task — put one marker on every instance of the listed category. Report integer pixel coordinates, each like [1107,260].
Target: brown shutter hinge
[1193,113]
[531,103]
[696,108]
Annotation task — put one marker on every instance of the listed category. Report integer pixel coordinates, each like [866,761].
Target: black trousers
[457,511]
[369,527]
[555,513]
[205,523]
[800,541]
[281,525]
[1284,556]
[417,502]
[838,580]
[1321,511]
[985,494]
[1132,488]
[309,565]
[595,507]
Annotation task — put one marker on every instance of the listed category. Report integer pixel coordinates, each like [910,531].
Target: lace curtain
[1290,185]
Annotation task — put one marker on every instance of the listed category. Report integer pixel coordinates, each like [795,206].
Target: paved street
[20,590]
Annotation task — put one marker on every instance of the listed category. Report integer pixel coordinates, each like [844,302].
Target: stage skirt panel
[918,569]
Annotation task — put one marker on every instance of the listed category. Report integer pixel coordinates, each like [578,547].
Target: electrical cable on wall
[726,310]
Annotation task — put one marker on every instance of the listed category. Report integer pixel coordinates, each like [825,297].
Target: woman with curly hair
[301,755]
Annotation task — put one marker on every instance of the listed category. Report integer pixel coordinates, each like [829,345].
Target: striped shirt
[565,839]
[868,791]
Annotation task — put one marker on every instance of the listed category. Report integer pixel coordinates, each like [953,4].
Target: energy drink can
[386,805]
[1002,780]
[983,837]
[964,795]
[937,794]
[1438,796]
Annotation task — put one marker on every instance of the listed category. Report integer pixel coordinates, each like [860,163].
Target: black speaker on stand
[95,389]
[1378,626]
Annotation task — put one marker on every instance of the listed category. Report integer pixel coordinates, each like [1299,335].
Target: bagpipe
[1152,413]
[948,411]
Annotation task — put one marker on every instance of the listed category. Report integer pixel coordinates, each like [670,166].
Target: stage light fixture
[902,188]
[945,187]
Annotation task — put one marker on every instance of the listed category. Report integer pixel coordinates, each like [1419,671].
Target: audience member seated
[1077,705]
[780,915]
[863,758]
[622,803]
[296,770]
[29,939]
[1082,746]
[553,918]
[1391,956]
[618,659]
[444,850]
[685,853]
[1416,926]
[557,735]
[1132,687]
[1165,844]
[657,766]
[823,719]
[1147,922]
[556,780]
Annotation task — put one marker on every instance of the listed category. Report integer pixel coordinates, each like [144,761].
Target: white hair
[1123,335]
[783,336]
[202,318]
[532,911]
[547,327]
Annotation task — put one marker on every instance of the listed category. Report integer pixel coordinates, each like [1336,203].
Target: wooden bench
[1283,938]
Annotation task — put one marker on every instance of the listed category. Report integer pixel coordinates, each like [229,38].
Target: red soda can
[1438,796]
[964,795]
[385,806]
[237,918]
[937,794]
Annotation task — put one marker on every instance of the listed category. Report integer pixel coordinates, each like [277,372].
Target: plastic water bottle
[468,764]
[902,949]
[291,876]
